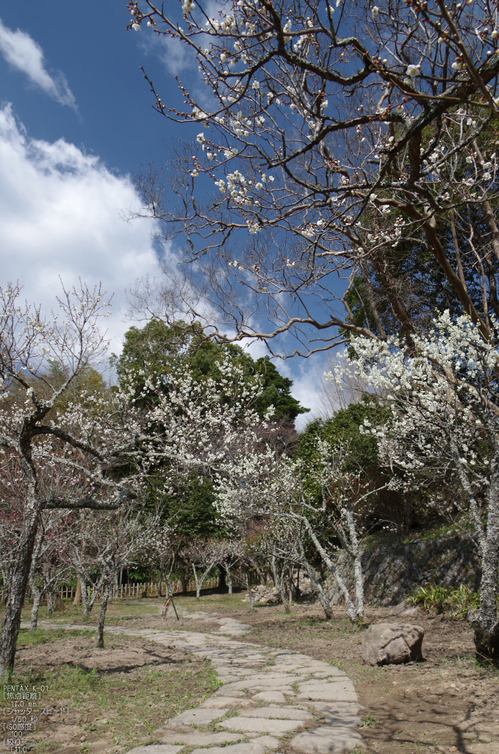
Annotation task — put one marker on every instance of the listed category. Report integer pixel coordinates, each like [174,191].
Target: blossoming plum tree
[97,452]
[338,138]
[77,449]
[277,490]
[444,403]
[50,563]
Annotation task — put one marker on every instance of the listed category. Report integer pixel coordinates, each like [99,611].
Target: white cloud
[308,387]
[173,53]
[61,215]
[23,53]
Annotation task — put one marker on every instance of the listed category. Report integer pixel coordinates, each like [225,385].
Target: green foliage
[191,508]
[432,598]
[156,352]
[83,388]
[156,349]
[439,599]
[344,429]
[276,392]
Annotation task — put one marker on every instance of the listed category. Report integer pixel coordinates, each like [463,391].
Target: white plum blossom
[413,70]
[443,395]
[253,227]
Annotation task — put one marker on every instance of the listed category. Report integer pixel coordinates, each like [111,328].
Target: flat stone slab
[268,741]
[197,716]
[270,697]
[277,679]
[344,714]
[341,691]
[260,725]
[260,684]
[156,749]
[197,738]
[226,691]
[249,748]
[279,713]
[326,740]
[226,702]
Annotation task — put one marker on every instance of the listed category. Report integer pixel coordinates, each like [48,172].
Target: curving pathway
[269,697]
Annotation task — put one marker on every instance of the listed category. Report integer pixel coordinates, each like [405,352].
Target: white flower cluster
[441,394]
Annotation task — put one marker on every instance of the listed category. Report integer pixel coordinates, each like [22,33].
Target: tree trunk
[228,579]
[296,587]
[200,580]
[359,587]
[356,555]
[166,607]
[279,583]
[102,616]
[168,587]
[184,578]
[14,606]
[90,603]
[487,643]
[487,626]
[324,598]
[222,583]
[84,598]
[77,599]
[37,598]
[198,585]
[251,598]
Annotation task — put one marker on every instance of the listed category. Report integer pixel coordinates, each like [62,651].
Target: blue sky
[76,123]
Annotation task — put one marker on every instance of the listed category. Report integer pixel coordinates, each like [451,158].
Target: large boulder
[392,643]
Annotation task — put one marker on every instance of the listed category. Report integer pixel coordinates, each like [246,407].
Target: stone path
[268,697]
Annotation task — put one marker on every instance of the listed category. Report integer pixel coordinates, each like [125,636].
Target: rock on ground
[392,643]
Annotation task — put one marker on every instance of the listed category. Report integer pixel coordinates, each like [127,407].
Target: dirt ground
[447,703]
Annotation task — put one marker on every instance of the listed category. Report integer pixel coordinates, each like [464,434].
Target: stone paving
[268,698]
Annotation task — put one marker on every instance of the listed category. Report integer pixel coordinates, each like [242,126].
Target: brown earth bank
[447,703]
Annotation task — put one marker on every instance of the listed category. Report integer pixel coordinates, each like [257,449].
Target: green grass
[118,609]
[113,705]
[455,603]
[46,636]
[369,721]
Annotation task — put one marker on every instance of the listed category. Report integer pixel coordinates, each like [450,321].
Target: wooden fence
[127,591]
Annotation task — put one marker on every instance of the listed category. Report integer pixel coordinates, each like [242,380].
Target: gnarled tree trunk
[487,626]
[15,602]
